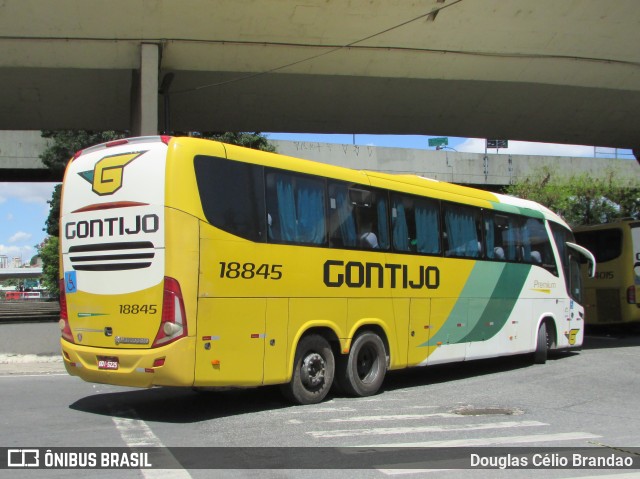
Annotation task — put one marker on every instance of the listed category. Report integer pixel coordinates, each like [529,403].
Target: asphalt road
[582,399]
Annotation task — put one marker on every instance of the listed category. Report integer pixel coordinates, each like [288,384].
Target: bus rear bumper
[170,365]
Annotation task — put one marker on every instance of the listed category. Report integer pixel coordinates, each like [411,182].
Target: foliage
[52,224]
[66,143]
[11,282]
[582,199]
[48,251]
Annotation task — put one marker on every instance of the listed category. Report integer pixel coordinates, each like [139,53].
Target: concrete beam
[20,157]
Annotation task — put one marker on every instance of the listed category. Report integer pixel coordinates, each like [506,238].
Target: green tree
[52,225]
[65,143]
[48,251]
[582,199]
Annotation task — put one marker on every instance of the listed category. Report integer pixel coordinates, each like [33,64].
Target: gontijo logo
[106,177]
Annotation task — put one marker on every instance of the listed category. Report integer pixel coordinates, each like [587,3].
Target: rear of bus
[124,300]
[612,296]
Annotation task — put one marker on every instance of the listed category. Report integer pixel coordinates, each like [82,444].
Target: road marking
[493,441]
[395,417]
[315,410]
[137,433]
[419,429]
[402,472]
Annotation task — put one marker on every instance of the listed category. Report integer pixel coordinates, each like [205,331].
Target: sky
[24,208]
[23,212]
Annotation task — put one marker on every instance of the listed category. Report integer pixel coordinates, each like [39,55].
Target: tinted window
[502,233]
[606,245]
[463,237]
[519,239]
[357,217]
[295,208]
[415,224]
[536,245]
[232,196]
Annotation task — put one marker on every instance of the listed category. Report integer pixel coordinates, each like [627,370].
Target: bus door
[575,311]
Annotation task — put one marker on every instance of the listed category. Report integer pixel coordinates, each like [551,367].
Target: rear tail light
[65,329]
[631,294]
[173,325]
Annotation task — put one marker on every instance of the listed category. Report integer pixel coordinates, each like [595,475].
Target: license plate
[107,362]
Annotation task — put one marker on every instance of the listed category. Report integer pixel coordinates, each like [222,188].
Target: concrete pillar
[144,92]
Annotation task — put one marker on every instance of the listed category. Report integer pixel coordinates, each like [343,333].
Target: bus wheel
[362,372]
[313,371]
[542,345]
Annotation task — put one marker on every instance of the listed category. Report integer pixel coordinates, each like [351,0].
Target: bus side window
[400,224]
[357,217]
[463,231]
[416,224]
[231,194]
[537,246]
[296,205]
[342,223]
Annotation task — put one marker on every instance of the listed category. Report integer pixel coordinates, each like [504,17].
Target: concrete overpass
[20,273]
[537,70]
[20,151]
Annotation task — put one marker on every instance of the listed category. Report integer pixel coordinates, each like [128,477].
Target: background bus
[192,263]
[612,295]
[21,295]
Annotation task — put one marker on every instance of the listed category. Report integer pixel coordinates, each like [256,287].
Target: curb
[20,364]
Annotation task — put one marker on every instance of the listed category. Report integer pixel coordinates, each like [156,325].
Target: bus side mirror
[591,269]
[588,255]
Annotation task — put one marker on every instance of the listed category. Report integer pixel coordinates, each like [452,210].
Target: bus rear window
[606,245]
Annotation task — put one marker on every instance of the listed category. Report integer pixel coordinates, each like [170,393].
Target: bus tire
[362,371]
[542,345]
[313,371]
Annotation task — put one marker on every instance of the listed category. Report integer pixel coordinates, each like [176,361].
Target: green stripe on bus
[517,210]
[489,296]
[501,303]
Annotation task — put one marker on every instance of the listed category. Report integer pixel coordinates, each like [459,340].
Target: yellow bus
[188,262]
[611,297]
